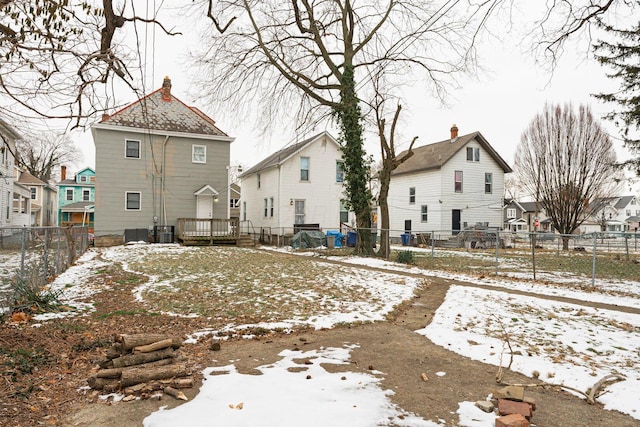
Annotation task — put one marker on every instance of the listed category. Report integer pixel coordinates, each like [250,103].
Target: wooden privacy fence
[207,231]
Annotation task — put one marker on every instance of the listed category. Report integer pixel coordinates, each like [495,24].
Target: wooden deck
[200,231]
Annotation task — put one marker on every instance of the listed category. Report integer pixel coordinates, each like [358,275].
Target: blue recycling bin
[352,236]
[406,239]
[338,237]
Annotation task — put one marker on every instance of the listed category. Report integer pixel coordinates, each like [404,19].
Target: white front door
[204,206]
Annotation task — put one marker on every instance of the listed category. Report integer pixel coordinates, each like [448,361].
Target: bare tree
[311,59]
[43,154]
[58,55]
[566,159]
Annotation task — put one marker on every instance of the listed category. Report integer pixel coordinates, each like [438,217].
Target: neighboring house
[8,137]
[300,184]
[615,214]
[234,200]
[158,160]
[76,198]
[521,216]
[21,216]
[447,186]
[43,199]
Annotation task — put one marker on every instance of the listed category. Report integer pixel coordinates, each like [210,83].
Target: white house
[8,137]
[447,186]
[300,184]
[615,214]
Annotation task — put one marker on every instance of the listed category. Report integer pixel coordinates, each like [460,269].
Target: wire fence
[33,256]
[582,258]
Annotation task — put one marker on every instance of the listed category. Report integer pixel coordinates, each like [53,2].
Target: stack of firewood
[140,364]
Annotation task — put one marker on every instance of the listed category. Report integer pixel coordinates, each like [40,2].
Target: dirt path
[402,355]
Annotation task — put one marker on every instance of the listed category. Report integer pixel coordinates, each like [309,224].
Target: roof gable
[433,156]
[279,157]
[162,111]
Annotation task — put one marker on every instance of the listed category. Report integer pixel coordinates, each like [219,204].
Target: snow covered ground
[556,341]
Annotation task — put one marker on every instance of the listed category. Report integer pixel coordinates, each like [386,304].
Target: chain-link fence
[580,259]
[31,257]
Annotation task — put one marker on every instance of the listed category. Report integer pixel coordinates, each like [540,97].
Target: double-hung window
[69,195]
[424,211]
[86,195]
[34,192]
[488,183]
[132,149]
[132,200]
[271,207]
[304,169]
[511,212]
[339,171]
[458,182]
[199,154]
[266,207]
[412,195]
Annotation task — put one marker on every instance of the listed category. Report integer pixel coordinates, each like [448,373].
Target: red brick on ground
[506,407]
[513,420]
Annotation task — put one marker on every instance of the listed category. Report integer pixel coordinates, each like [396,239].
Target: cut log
[141,375]
[116,372]
[178,382]
[139,359]
[105,384]
[136,340]
[158,345]
[175,393]
[114,351]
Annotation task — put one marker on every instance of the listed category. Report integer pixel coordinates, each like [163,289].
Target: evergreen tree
[623,56]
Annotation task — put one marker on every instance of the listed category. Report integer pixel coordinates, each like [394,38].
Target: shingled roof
[433,156]
[162,111]
[281,156]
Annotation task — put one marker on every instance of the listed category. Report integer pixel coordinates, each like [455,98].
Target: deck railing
[205,230]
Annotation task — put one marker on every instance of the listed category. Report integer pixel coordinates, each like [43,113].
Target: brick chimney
[166,89]
[454,133]
[63,173]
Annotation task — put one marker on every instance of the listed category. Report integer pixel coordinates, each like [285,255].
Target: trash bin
[406,238]
[331,241]
[337,237]
[352,237]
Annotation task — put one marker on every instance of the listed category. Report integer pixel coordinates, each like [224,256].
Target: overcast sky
[499,101]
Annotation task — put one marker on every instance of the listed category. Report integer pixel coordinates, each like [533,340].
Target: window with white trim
[424,213]
[339,171]
[34,192]
[511,212]
[488,183]
[199,153]
[133,200]
[412,195]
[69,195]
[132,149]
[271,207]
[473,154]
[266,207]
[458,182]
[86,195]
[304,169]
[299,212]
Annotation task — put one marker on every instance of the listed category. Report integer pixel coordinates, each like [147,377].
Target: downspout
[163,210]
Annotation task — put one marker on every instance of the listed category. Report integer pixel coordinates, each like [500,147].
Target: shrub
[406,257]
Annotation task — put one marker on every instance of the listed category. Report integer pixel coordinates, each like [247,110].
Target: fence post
[23,251]
[433,247]
[593,268]
[497,243]
[45,256]
[626,244]
[533,253]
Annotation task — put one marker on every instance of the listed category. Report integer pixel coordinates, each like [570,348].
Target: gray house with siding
[158,160]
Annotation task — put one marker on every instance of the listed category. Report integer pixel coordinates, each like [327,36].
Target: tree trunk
[385,175]
[142,374]
[354,156]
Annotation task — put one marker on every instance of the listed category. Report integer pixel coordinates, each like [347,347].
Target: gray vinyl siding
[116,174]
